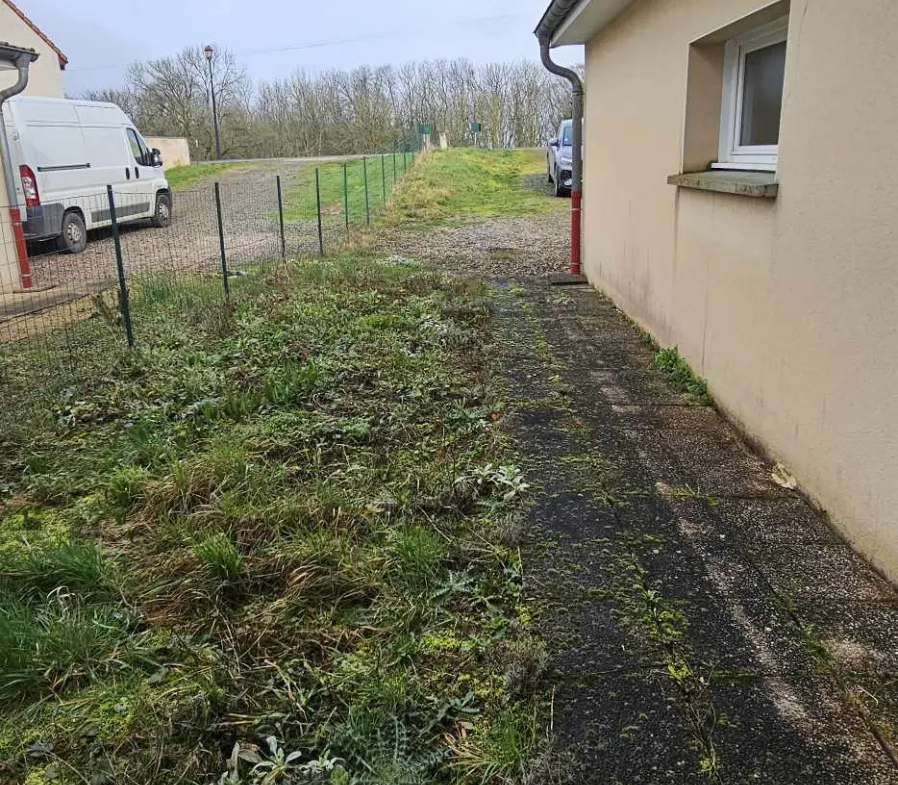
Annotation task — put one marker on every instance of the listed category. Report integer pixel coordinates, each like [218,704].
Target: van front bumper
[42,221]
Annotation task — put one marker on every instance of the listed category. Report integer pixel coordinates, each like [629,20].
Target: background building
[45,79]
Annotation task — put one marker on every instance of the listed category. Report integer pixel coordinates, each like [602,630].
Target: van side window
[141,154]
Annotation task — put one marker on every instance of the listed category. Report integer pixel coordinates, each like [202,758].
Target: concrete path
[706,624]
[16,304]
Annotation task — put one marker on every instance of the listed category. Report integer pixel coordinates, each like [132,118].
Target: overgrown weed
[288,518]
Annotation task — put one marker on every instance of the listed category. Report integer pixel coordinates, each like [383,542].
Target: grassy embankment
[180,178]
[300,199]
[464,184]
[447,187]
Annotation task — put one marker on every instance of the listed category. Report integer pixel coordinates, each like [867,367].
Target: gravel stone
[534,246]
[519,247]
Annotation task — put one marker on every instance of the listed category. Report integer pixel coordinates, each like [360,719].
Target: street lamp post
[209,54]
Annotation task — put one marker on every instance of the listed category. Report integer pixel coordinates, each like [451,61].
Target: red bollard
[15,218]
[576,213]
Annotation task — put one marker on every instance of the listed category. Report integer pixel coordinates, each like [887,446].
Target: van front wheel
[162,216]
[73,237]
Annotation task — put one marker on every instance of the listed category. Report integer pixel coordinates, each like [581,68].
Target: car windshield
[567,136]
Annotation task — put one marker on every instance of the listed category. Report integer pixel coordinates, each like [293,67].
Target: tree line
[362,110]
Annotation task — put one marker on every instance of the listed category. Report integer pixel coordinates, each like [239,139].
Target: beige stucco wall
[175,150]
[788,307]
[44,78]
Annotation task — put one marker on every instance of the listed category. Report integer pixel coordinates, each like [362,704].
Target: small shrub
[125,486]
[500,752]
[511,530]
[42,647]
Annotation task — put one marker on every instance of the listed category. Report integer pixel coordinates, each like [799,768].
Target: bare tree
[364,110]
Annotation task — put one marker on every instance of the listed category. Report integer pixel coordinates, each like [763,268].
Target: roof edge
[569,22]
[555,15]
[63,60]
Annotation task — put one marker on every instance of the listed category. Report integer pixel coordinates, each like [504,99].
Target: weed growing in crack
[664,622]
[680,376]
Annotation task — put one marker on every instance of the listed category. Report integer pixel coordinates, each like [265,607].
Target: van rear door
[53,156]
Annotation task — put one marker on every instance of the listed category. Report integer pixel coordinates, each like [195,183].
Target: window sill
[760,185]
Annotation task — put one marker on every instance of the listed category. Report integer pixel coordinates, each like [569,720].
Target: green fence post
[367,200]
[346,197]
[281,218]
[383,177]
[394,165]
[221,243]
[318,203]
[120,267]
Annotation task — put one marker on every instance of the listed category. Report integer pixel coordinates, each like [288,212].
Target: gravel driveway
[191,242]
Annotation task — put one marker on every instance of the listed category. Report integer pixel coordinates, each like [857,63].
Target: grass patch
[272,539]
[680,376]
[300,199]
[465,183]
[182,177]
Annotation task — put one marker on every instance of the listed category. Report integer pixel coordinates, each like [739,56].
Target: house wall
[45,79]
[789,307]
[175,150]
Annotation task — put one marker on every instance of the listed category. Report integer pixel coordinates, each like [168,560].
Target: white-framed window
[753,80]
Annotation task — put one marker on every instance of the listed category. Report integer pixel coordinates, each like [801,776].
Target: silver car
[559,158]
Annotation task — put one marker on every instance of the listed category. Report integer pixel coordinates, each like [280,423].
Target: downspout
[22,60]
[576,153]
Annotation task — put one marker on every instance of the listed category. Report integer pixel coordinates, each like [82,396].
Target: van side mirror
[553,143]
[156,156]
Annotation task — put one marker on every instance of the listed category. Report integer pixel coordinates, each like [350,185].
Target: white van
[66,153]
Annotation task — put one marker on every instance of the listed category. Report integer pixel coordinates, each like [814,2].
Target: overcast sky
[101,37]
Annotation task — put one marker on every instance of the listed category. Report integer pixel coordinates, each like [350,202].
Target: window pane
[135,145]
[762,95]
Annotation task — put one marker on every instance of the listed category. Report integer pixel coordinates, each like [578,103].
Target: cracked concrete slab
[765,521]
[815,572]
[625,730]
[793,731]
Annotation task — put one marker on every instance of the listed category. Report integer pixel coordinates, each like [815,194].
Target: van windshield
[567,136]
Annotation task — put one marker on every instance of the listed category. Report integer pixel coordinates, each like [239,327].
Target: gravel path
[528,247]
[532,246]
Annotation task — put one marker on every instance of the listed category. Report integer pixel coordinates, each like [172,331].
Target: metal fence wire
[66,317]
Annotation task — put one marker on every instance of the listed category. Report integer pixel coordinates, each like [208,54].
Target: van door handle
[137,172]
[127,173]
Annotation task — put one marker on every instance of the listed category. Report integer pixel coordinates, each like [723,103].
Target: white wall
[175,150]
